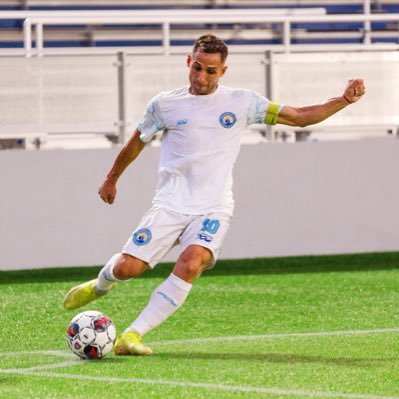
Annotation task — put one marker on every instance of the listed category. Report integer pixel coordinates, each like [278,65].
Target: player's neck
[195,93]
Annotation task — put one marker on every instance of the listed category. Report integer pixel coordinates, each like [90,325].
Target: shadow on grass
[287,265]
[285,358]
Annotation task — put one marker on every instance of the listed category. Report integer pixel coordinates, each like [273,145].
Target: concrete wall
[307,198]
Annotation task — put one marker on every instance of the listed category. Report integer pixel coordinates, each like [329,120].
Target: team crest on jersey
[227,119]
[142,237]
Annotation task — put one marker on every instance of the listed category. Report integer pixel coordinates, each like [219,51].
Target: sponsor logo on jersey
[181,122]
[227,119]
[142,237]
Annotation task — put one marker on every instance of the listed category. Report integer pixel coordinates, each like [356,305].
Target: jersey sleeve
[259,109]
[152,121]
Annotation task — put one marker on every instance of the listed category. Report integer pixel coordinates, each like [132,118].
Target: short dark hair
[211,44]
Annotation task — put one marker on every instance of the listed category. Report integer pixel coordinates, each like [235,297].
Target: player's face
[205,71]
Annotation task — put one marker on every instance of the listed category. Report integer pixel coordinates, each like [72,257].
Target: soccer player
[202,124]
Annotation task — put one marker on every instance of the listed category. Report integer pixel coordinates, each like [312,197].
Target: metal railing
[105,96]
[166,21]
[37,20]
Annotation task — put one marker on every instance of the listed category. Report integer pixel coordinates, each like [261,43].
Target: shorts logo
[142,237]
[208,227]
[205,237]
[227,119]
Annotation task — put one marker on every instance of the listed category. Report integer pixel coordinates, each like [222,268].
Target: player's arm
[127,155]
[309,115]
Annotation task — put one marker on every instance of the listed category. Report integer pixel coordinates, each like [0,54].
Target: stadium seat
[149,34]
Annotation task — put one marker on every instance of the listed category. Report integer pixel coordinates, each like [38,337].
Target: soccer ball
[91,335]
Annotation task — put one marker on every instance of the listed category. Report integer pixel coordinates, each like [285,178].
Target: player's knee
[191,269]
[192,262]
[127,267]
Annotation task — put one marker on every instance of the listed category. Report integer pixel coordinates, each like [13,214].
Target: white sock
[106,276]
[164,301]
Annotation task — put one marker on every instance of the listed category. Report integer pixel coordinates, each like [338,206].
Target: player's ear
[188,60]
[223,71]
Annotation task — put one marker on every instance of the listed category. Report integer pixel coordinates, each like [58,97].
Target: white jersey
[201,141]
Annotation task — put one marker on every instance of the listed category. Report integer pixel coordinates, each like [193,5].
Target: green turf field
[320,327]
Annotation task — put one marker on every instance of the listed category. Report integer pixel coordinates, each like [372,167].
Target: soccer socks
[164,301]
[106,276]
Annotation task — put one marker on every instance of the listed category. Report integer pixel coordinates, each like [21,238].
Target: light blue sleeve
[152,121]
[257,107]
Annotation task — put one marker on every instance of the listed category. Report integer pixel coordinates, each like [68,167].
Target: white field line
[275,336]
[69,355]
[43,367]
[35,371]
[61,353]
[229,388]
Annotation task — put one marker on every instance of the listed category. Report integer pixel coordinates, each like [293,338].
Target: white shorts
[160,230]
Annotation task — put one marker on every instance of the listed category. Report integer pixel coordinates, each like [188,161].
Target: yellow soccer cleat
[83,294]
[130,344]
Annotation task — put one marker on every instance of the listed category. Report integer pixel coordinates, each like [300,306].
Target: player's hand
[107,191]
[354,90]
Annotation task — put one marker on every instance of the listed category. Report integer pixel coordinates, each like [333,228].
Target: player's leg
[172,293]
[121,267]
[158,233]
[164,301]
[201,241]
[192,262]
[133,261]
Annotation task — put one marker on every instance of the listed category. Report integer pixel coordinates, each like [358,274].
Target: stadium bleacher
[36,125]
[11,35]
